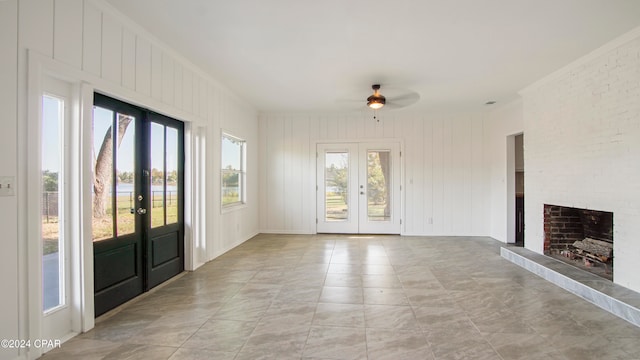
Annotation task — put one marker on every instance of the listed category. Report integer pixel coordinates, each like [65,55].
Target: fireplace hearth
[580,237]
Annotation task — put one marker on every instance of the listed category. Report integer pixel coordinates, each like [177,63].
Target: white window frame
[242,172]
[63,266]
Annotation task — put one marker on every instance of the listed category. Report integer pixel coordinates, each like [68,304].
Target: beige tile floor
[360,297]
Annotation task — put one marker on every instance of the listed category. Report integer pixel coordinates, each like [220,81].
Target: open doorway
[519,187]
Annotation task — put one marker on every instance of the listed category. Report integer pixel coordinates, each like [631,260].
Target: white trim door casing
[358,188]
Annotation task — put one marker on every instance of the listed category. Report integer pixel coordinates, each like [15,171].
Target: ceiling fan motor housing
[376,98]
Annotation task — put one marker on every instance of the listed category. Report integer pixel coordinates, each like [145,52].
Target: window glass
[125,179]
[336,186]
[52,235]
[233,170]
[172,175]
[102,173]
[158,177]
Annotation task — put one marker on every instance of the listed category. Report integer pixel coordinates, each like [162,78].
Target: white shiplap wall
[444,177]
[90,42]
[9,262]
[121,59]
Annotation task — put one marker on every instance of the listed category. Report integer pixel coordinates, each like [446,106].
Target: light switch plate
[7,185]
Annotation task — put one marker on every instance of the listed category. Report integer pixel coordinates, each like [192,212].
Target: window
[53,269]
[233,170]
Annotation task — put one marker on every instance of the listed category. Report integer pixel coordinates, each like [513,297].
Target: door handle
[361,192]
[141,211]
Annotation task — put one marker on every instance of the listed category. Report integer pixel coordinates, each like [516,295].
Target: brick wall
[562,226]
[582,147]
[565,225]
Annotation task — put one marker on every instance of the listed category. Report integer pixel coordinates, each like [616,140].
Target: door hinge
[400,221]
[400,153]
[317,156]
[316,187]
[400,187]
[316,220]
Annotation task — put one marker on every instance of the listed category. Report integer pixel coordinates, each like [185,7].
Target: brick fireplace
[582,237]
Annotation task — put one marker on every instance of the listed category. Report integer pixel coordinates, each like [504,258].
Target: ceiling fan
[396,98]
[377,100]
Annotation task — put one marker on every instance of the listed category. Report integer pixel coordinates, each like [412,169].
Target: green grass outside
[103,228]
[336,208]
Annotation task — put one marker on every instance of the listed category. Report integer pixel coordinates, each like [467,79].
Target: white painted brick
[582,149]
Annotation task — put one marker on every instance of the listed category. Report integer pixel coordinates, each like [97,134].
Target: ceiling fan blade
[403,100]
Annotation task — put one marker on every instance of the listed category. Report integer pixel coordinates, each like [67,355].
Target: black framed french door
[138,200]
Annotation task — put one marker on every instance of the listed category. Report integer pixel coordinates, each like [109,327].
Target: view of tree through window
[233,170]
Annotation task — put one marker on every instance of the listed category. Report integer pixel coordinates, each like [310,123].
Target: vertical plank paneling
[111,49]
[262,170]
[438,176]
[478,177]
[128,59]
[448,180]
[379,126]
[332,127]
[459,168]
[167,79]
[202,94]
[36,25]
[398,126]
[467,164]
[156,73]
[196,94]
[143,66]
[305,173]
[416,182]
[428,170]
[453,177]
[342,127]
[369,127]
[363,122]
[352,127]
[443,173]
[322,128]
[10,264]
[277,191]
[187,90]
[92,39]
[410,158]
[287,174]
[178,89]
[67,32]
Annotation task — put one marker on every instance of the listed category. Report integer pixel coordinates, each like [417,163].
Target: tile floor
[360,297]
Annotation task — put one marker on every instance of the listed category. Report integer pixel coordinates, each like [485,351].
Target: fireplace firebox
[581,237]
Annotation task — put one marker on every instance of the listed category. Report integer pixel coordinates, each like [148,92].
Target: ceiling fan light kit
[376,101]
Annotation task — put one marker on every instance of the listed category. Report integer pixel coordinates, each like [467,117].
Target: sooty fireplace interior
[581,237]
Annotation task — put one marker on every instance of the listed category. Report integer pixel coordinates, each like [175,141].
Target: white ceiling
[299,55]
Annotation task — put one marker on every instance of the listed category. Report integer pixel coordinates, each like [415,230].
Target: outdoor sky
[51,114]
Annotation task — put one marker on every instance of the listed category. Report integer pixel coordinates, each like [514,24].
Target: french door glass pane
[52,235]
[172,175]
[336,184]
[102,173]
[125,170]
[378,185]
[157,175]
